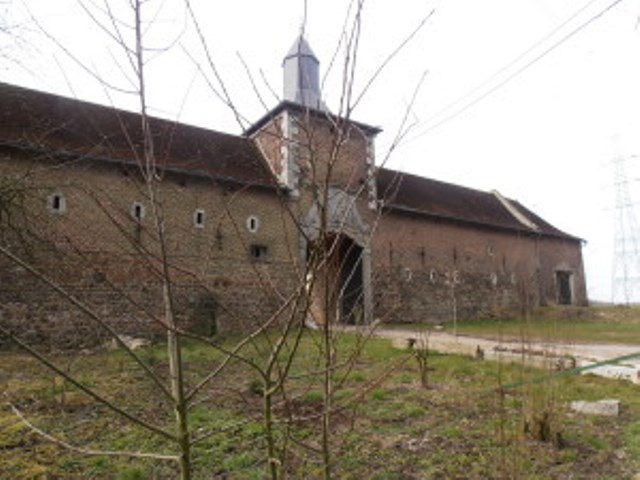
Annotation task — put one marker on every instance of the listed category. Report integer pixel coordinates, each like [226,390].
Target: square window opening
[259,252]
[57,203]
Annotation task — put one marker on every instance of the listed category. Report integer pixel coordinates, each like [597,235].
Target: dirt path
[540,353]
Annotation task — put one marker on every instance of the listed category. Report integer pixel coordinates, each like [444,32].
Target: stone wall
[428,270]
[311,144]
[231,251]
[234,251]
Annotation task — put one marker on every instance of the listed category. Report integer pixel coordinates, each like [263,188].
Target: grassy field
[590,325]
[385,426]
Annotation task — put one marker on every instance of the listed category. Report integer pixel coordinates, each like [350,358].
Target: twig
[88,451]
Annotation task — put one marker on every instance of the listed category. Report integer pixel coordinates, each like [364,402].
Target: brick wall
[422,269]
[315,144]
[98,252]
[425,269]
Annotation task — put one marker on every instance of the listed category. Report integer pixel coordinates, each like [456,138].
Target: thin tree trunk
[173,341]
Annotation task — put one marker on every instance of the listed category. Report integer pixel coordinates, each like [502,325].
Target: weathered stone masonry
[239,214]
[97,250]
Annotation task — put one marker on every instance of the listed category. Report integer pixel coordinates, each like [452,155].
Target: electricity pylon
[626,242]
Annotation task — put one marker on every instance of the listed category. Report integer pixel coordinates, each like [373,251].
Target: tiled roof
[304,110]
[424,196]
[66,127]
[37,120]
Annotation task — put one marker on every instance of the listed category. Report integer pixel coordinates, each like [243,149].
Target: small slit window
[259,252]
[57,203]
[407,274]
[433,276]
[253,223]
[137,211]
[198,218]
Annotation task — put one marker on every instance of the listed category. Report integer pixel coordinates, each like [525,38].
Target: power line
[517,72]
[514,61]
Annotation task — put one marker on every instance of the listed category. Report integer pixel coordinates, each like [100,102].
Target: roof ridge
[513,210]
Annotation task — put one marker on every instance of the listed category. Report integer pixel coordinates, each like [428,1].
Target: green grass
[633,440]
[384,426]
[568,331]
[589,325]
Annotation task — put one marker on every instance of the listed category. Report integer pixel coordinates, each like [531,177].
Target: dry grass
[600,324]
[463,426]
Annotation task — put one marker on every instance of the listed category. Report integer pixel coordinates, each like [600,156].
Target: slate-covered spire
[302,75]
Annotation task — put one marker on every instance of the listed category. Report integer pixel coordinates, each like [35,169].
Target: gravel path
[559,355]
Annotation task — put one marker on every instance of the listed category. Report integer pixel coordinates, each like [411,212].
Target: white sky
[546,137]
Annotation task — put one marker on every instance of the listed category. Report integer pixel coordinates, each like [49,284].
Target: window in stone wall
[57,203]
[253,223]
[137,211]
[407,274]
[198,218]
[259,252]
[433,276]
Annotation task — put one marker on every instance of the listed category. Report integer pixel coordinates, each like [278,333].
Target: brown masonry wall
[99,253]
[345,150]
[422,269]
[315,143]
[428,270]
[558,254]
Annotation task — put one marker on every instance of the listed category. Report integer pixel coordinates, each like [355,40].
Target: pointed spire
[301,48]
[301,75]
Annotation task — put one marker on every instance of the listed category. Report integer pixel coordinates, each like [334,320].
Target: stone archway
[350,298]
[342,290]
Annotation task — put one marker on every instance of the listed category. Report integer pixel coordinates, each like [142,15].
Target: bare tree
[322,290]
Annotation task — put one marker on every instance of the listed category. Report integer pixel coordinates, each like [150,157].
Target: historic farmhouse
[237,219]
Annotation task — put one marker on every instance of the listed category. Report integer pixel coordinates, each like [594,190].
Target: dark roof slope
[32,119]
[411,193]
[296,107]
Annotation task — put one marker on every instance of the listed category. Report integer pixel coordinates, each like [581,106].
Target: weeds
[593,324]
[420,346]
[461,427]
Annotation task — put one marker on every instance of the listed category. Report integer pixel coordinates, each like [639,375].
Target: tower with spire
[301,130]
[302,75]
[325,164]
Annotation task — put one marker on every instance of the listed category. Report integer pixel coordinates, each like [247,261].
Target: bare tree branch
[88,451]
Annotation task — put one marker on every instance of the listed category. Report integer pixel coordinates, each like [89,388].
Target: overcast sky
[533,98]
